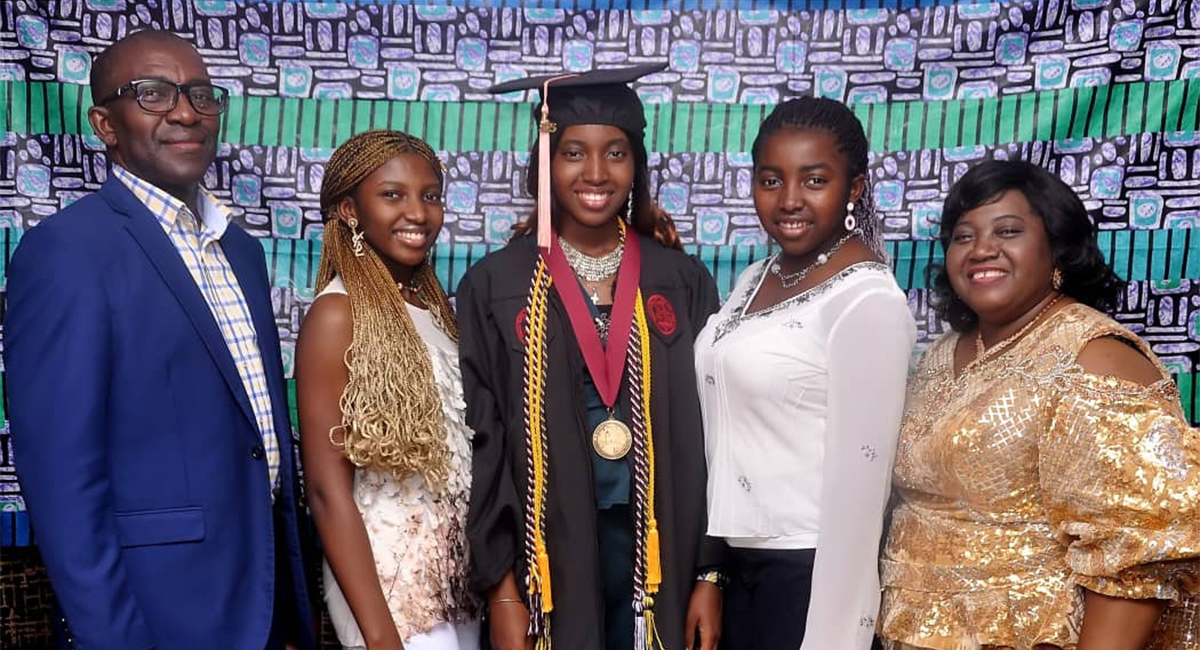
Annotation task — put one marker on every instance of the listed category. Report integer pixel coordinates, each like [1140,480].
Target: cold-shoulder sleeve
[493,518]
[1120,476]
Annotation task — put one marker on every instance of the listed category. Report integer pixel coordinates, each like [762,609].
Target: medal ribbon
[605,363]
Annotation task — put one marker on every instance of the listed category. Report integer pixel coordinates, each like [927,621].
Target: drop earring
[850,221]
[629,207]
[1056,280]
[356,237]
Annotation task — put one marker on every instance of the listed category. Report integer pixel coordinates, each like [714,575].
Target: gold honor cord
[538,583]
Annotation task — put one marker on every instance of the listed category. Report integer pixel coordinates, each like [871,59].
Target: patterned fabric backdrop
[1103,93]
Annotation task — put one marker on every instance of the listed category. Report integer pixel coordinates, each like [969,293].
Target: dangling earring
[629,207]
[850,222]
[1056,280]
[356,237]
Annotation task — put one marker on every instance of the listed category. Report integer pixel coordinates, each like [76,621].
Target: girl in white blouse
[801,377]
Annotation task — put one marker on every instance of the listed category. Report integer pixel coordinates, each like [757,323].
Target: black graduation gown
[490,301]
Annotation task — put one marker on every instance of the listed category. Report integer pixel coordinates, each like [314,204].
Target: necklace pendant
[595,296]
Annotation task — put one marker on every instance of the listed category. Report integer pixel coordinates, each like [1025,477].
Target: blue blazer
[134,441]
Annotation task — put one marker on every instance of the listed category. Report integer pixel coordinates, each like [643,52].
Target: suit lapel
[157,246]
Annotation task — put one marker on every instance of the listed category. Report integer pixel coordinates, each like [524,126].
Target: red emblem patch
[662,314]
[520,325]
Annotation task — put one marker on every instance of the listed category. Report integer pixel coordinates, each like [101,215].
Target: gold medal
[612,439]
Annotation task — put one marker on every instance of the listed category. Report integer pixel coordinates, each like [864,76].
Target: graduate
[587,514]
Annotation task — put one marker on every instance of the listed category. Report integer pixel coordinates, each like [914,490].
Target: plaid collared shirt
[199,245]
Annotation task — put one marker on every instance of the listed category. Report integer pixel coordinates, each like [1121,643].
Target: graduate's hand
[703,617]
[508,616]
[509,623]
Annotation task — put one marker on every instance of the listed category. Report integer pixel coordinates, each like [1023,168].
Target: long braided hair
[803,113]
[391,412]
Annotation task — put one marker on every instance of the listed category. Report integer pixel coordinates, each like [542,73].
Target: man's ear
[101,121]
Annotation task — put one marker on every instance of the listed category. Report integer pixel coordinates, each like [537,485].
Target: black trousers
[284,624]
[766,602]
[614,532]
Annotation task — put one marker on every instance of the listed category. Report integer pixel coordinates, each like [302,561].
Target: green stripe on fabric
[878,127]
[470,127]
[700,128]
[54,112]
[6,111]
[1104,111]
[1189,395]
[1063,113]
[1174,107]
[1188,121]
[969,132]
[252,131]
[362,119]
[1135,111]
[380,114]
[327,117]
[271,121]
[1116,115]
[896,122]
[37,107]
[20,108]
[232,120]
[1156,95]
[914,126]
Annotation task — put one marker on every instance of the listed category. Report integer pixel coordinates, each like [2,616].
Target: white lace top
[802,404]
[417,536]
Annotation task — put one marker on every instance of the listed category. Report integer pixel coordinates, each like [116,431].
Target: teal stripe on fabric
[1104,111]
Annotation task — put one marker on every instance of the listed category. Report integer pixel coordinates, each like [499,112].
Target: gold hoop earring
[1056,280]
[356,237]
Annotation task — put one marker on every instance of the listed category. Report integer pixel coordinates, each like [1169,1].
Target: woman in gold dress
[1048,482]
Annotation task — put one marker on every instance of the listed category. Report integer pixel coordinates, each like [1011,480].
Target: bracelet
[714,577]
[508,600]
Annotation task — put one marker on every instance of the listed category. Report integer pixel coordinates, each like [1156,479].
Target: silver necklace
[434,312]
[789,280]
[593,269]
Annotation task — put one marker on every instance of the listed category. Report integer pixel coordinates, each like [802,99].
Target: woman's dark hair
[1087,276]
[648,218]
[821,113]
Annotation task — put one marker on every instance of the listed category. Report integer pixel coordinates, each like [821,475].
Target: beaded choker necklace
[593,269]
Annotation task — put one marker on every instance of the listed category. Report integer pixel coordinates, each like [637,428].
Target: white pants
[444,636]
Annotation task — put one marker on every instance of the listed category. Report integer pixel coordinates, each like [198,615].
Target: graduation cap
[567,99]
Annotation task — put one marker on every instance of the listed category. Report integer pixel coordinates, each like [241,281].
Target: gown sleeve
[869,350]
[494,515]
[1120,477]
[704,302]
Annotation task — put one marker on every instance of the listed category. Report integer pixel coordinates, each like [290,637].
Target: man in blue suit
[147,399]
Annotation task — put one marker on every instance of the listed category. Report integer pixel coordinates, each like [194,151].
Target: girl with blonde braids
[385,447]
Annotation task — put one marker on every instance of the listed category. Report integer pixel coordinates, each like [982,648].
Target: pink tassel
[545,128]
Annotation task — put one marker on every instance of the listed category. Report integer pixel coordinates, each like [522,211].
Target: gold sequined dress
[1026,478]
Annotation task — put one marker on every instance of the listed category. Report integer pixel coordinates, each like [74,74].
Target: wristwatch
[714,576]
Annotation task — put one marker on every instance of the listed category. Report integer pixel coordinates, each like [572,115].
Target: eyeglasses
[159,96]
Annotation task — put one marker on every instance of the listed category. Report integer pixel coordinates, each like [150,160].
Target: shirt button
[708,379]
[257,452]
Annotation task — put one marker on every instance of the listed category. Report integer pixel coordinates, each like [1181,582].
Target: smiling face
[999,259]
[802,183]
[171,150]
[399,210]
[591,174]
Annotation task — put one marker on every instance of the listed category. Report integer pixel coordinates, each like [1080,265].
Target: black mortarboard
[593,97]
